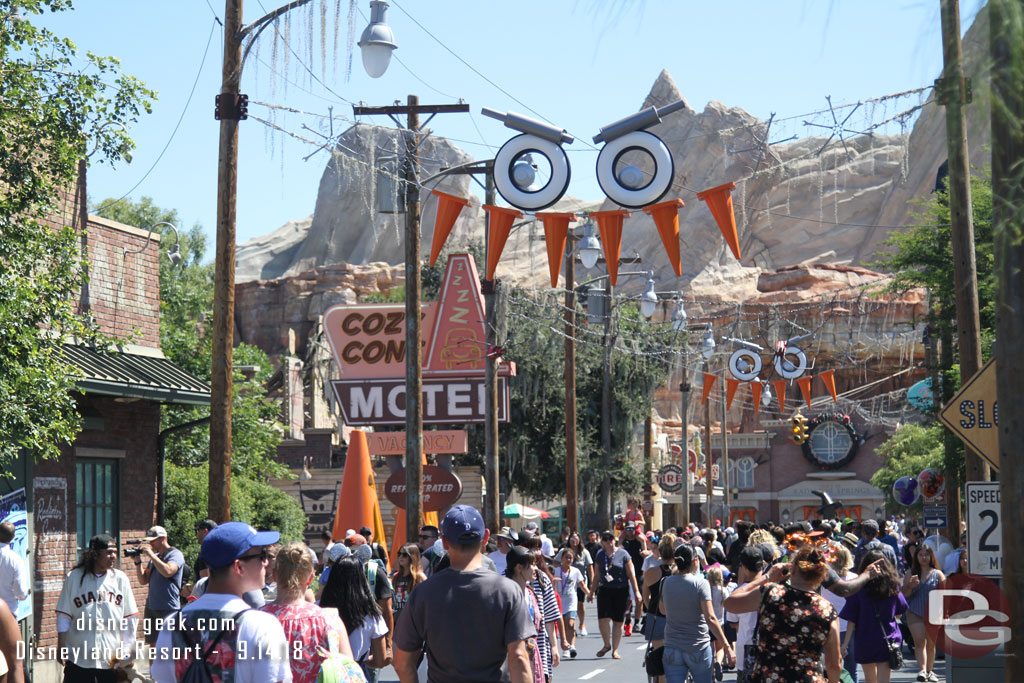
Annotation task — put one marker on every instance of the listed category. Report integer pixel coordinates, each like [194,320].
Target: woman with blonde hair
[406,576]
[314,630]
[922,579]
[719,592]
[842,563]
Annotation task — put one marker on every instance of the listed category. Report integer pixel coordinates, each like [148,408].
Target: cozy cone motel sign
[368,344]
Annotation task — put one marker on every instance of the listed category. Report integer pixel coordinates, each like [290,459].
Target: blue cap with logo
[232,540]
[463,524]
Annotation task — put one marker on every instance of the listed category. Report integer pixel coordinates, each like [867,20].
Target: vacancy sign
[973,414]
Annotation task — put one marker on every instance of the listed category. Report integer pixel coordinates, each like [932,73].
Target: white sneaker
[922,676]
[583,631]
[932,678]
[565,654]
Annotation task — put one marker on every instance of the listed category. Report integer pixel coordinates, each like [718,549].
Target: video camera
[136,551]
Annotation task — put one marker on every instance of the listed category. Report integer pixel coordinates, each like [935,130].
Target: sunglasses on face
[406,555]
[262,555]
[424,537]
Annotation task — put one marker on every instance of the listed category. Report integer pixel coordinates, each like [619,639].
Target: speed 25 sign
[984,529]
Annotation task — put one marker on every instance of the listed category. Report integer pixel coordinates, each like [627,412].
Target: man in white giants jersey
[96,616]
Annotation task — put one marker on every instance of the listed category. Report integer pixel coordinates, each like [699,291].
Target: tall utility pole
[230,109]
[219,506]
[493,512]
[684,390]
[413,302]
[413,354]
[725,451]
[951,91]
[1006,19]
[571,467]
[607,342]
[710,490]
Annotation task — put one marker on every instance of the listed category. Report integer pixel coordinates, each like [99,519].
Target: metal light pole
[571,467]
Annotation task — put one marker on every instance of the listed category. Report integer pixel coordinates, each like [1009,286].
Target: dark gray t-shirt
[164,593]
[685,626]
[469,618]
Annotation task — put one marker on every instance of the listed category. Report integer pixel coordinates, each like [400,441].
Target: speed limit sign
[984,529]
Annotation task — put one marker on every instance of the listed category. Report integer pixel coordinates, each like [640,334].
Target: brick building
[109,479]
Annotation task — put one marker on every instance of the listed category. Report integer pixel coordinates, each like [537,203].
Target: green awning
[132,375]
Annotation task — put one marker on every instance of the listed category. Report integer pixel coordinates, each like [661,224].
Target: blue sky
[580,64]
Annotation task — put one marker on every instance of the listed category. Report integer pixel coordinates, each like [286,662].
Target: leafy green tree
[911,449]
[56,104]
[922,257]
[186,306]
[253,502]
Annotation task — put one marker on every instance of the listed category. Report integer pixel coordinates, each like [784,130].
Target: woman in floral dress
[794,624]
[311,631]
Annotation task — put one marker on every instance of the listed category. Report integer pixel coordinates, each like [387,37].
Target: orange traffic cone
[719,200]
[666,218]
[448,209]
[805,388]
[500,220]
[829,378]
[556,227]
[398,538]
[358,504]
[609,223]
[756,389]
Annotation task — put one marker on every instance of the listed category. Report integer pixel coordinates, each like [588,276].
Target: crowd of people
[808,601]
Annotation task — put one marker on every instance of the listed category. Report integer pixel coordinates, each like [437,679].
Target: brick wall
[128,427]
[124,289]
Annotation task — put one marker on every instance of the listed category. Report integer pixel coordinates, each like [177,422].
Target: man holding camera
[163,576]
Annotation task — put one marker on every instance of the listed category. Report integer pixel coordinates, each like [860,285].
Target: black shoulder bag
[893,647]
[653,657]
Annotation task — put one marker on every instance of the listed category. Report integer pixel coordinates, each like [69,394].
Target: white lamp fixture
[377,41]
[589,248]
[679,316]
[766,394]
[707,347]
[649,300]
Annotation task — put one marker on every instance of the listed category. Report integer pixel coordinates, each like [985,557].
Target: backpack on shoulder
[198,670]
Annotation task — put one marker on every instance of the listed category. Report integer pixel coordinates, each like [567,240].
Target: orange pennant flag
[448,209]
[556,227]
[609,223]
[666,219]
[731,385]
[828,377]
[780,391]
[709,381]
[756,389]
[805,388]
[500,220]
[719,200]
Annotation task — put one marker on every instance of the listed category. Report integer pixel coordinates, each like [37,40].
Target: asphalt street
[588,667]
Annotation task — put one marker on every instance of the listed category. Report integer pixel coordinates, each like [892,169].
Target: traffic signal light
[798,428]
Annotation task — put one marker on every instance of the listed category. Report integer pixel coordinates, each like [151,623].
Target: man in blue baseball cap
[236,555]
[475,618]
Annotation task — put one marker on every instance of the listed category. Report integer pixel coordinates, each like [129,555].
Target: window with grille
[96,498]
[741,474]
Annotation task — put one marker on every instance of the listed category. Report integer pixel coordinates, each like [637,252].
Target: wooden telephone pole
[572,499]
[952,90]
[1006,19]
[413,300]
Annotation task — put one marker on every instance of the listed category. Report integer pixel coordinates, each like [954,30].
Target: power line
[176,126]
